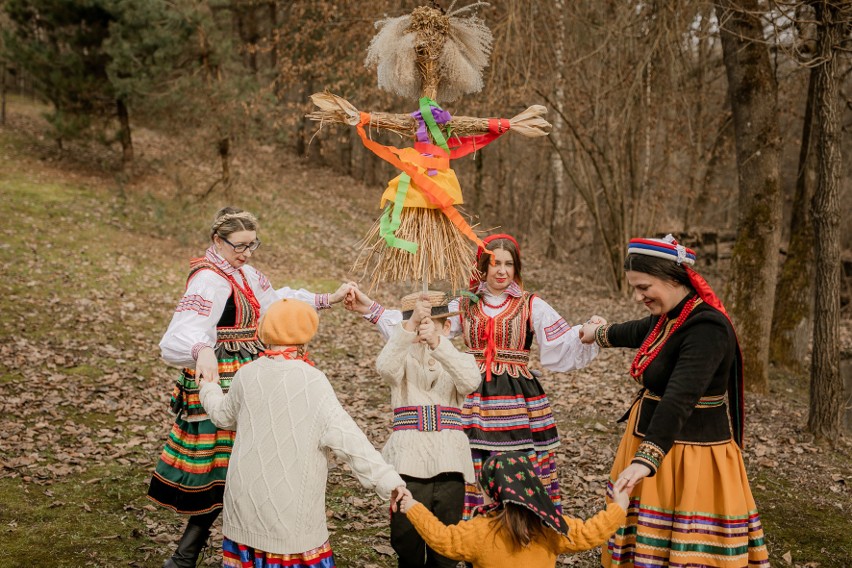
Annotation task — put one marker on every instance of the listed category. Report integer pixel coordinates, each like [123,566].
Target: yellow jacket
[479,542]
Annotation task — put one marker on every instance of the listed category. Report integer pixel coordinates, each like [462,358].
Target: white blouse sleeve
[318,301]
[193,324]
[561,349]
[386,321]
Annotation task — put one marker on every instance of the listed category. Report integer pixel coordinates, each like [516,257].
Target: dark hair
[521,525]
[508,246]
[661,268]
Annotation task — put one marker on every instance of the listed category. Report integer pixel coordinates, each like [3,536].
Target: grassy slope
[92,270]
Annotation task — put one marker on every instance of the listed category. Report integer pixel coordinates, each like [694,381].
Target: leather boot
[193,540]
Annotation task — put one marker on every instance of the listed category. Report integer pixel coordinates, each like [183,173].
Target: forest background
[124,125]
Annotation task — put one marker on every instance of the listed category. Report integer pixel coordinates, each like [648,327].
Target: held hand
[597,320]
[407,502]
[632,475]
[397,495]
[428,333]
[357,301]
[207,367]
[587,332]
[341,293]
[622,498]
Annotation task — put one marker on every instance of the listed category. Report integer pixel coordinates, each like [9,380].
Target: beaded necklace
[646,354]
[498,306]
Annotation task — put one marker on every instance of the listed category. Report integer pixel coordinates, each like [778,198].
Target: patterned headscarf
[509,477]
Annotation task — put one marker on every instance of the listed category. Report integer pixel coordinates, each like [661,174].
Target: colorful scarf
[509,477]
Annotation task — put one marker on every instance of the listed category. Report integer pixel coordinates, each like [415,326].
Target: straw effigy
[429,55]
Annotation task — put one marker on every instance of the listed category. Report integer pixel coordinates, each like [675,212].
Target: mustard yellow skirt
[696,511]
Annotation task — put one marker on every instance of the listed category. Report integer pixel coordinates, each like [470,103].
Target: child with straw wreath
[429,379]
[286,416]
[518,526]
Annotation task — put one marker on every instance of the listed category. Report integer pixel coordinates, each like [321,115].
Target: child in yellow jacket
[520,526]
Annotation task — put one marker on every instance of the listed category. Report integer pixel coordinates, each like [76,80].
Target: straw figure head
[431,53]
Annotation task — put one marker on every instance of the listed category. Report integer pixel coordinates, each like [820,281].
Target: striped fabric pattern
[194,303]
[697,511]
[556,330]
[432,418]
[510,413]
[661,537]
[235,555]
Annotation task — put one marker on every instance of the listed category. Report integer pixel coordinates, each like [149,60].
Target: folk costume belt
[426,418]
[703,402]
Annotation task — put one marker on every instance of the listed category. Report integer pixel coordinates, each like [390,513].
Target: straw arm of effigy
[331,108]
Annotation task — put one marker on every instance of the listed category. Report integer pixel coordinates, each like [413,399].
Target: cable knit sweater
[286,414]
[479,542]
[421,376]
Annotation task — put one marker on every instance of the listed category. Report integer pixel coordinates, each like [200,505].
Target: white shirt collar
[513,290]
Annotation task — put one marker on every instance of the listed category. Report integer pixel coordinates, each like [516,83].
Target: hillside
[94,262]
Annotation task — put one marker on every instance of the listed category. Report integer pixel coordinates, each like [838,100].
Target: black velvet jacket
[684,387]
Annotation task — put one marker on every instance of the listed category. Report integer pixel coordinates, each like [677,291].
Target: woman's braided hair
[229,220]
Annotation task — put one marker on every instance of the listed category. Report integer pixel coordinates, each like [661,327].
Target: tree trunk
[124,135]
[224,147]
[753,93]
[556,234]
[826,404]
[791,317]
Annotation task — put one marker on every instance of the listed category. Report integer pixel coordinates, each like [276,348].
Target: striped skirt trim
[509,414]
[235,555]
[697,511]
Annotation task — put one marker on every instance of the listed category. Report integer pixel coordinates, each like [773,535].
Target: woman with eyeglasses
[213,333]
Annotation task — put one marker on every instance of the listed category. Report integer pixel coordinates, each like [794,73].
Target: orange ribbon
[432,191]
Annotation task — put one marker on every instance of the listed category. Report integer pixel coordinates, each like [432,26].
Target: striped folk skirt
[696,511]
[235,555]
[191,471]
[511,413]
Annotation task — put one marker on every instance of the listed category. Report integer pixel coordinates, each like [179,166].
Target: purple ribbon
[422,134]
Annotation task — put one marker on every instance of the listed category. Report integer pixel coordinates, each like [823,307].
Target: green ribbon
[389,222]
[426,105]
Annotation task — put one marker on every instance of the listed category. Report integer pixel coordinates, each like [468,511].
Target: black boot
[193,540]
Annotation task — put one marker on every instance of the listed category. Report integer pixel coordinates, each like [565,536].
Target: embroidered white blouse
[559,342]
[193,324]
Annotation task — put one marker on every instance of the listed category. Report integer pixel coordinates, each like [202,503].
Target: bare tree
[753,93]
[791,317]
[826,401]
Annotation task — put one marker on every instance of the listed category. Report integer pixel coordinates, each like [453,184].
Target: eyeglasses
[252,246]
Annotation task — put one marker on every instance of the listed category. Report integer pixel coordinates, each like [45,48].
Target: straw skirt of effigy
[696,511]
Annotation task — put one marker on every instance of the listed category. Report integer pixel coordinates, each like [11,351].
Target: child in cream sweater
[286,416]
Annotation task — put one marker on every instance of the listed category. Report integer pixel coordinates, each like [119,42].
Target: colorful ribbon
[390,220]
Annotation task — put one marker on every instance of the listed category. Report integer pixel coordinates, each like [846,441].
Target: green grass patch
[86,520]
[794,523]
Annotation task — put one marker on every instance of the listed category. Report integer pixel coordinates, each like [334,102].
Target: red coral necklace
[646,354]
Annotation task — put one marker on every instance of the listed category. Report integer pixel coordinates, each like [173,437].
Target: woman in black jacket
[684,430]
